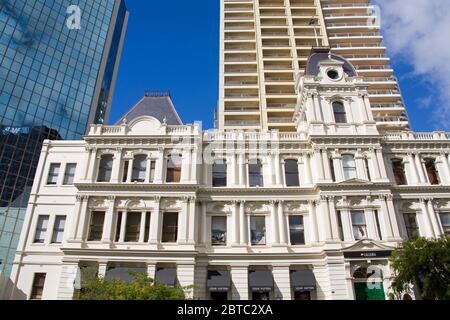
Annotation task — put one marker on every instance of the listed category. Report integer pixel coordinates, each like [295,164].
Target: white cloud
[418,32]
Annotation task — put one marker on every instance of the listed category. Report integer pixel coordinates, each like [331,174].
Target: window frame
[295,174]
[37,292]
[104,179]
[445,227]
[174,169]
[68,175]
[359,225]
[137,171]
[263,240]
[399,172]
[130,235]
[340,116]
[408,226]
[432,172]
[175,228]
[41,230]
[225,231]
[57,231]
[301,229]
[219,178]
[347,169]
[92,226]
[255,175]
[52,174]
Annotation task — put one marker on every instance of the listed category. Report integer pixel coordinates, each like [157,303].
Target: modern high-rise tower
[265,45]
[59,62]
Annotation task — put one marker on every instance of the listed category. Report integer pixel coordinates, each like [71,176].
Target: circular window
[333,74]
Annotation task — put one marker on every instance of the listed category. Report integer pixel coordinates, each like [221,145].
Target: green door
[363,292]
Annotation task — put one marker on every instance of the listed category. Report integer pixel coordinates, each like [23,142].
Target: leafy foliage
[424,263]
[141,288]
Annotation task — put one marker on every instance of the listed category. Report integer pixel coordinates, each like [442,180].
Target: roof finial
[165,120]
[124,121]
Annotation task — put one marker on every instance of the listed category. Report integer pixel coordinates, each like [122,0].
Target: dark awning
[260,280]
[219,280]
[166,276]
[122,273]
[303,280]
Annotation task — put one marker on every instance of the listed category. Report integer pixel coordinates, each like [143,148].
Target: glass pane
[70,173]
[139,168]
[291,171]
[53,173]
[220,173]
[133,227]
[258,230]
[170,227]
[296,230]
[219,230]
[96,227]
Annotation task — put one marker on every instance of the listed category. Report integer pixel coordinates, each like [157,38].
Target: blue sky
[174,45]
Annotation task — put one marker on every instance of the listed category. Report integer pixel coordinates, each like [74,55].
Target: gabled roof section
[155,104]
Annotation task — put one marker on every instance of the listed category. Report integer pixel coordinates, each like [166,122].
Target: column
[142,227]
[393,216]
[386,227]
[185,166]
[239,289]
[230,171]
[192,226]
[381,163]
[149,169]
[333,219]
[274,222]
[376,167]
[282,223]
[183,221]
[318,166]
[204,230]
[130,170]
[83,220]
[326,165]
[151,270]
[241,164]
[123,226]
[156,222]
[313,221]
[324,225]
[282,279]
[235,217]
[109,219]
[308,171]
[371,224]
[318,108]
[361,172]
[194,165]
[412,165]
[420,169]
[185,275]
[117,163]
[243,224]
[102,266]
[347,228]
[76,217]
[159,167]
[277,165]
[91,165]
[446,159]
[337,164]
[426,219]
[433,218]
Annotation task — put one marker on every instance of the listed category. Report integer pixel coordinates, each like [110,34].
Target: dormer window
[340,115]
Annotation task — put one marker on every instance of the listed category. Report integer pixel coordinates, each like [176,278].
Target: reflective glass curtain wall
[54,81]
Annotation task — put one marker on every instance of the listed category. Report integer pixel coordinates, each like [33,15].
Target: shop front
[303,284]
[218,284]
[261,284]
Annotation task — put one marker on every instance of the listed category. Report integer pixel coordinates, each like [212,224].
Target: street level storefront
[219,284]
[303,284]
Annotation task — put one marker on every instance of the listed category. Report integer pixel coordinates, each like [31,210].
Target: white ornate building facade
[312,214]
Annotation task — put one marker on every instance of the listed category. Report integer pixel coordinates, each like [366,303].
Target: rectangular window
[412,229]
[58,229]
[53,173]
[258,230]
[125,171]
[139,168]
[445,221]
[133,227]
[170,227]
[296,230]
[219,231]
[69,175]
[174,169]
[38,286]
[41,229]
[220,173]
[96,226]
[255,176]
[359,225]
[349,165]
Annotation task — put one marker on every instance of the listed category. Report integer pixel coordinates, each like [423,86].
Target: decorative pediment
[98,203]
[257,207]
[355,181]
[170,204]
[368,245]
[145,125]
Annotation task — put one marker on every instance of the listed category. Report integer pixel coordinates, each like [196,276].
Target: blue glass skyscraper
[58,64]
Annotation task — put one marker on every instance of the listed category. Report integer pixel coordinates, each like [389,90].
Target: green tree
[425,264]
[141,288]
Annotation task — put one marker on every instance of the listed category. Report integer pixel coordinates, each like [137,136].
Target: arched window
[398,169]
[105,168]
[139,168]
[220,173]
[433,176]
[255,176]
[349,164]
[291,173]
[173,168]
[340,115]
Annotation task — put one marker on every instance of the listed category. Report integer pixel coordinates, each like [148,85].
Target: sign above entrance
[367,254]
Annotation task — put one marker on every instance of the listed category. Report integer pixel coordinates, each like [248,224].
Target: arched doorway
[368,283]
